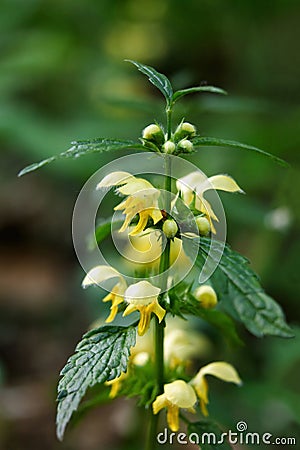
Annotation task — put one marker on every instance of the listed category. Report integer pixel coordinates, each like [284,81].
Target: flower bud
[184,130]
[185,145]
[203,225]
[170,228]
[154,133]
[169,147]
[206,296]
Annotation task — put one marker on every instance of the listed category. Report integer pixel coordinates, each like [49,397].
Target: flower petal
[141,223]
[100,273]
[173,417]
[221,370]
[222,183]
[158,310]
[115,179]
[141,293]
[159,403]
[145,317]
[130,309]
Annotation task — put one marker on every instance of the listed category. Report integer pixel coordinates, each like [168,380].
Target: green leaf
[158,79]
[102,231]
[199,141]
[178,94]
[183,302]
[241,294]
[101,355]
[80,148]
[209,434]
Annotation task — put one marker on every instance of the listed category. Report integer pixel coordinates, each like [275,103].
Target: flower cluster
[180,394]
[180,142]
[144,223]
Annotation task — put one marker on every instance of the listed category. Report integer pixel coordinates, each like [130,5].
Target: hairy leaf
[182,302]
[158,79]
[200,141]
[241,294]
[80,148]
[209,435]
[215,90]
[101,355]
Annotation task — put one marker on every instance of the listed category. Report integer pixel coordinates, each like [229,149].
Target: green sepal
[80,148]
[100,356]
[203,141]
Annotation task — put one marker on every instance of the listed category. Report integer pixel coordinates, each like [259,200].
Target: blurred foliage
[62,77]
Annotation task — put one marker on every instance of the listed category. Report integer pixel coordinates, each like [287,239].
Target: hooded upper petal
[99,274]
[115,179]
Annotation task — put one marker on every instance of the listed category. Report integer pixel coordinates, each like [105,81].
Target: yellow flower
[181,345]
[206,296]
[116,384]
[221,370]
[195,184]
[143,297]
[177,394]
[102,273]
[142,199]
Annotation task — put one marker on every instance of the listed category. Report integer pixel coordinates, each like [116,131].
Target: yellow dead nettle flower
[143,297]
[142,199]
[221,370]
[207,296]
[116,384]
[195,184]
[102,273]
[177,394]
[181,345]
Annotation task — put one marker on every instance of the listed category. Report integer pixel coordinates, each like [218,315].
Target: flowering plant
[142,357]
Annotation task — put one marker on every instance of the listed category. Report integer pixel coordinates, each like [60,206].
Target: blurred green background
[62,77]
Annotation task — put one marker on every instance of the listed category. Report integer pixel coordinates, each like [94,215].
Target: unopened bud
[154,133]
[203,225]
[170,228]
[186,146]
[206,296]
[169,147]
[184,130]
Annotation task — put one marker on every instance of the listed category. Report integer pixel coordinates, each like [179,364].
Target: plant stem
[159,327]
[169,121]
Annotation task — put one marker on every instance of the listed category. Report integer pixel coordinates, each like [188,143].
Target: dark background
[62,77]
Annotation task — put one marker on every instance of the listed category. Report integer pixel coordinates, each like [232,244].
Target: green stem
[159,327]
[169,110]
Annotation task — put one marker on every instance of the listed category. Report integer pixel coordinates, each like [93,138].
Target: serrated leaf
[209,434]
[200,141]
[240,291]
[159,80]
[215,90]
[80,148]
[183,302]
[101,355]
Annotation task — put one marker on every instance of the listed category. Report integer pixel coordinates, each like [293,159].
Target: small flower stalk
[137,352]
